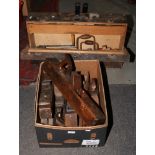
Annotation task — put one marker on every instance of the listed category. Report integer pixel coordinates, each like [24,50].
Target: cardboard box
[90,136]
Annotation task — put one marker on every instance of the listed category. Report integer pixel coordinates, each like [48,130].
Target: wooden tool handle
[90,42]
[84,36]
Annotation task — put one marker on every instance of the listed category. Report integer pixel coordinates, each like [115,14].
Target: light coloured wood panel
[79,29]
[47,50]
[53,39]
[112,41]
[31,40]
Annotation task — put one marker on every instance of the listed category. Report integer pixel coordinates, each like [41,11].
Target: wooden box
[105,42]
[57,35]
[58,136]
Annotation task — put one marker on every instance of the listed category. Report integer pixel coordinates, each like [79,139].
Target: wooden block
[81,122]
[76,81]
[71,119]
[44,121]
[46,100]
[50,121]
[95,98]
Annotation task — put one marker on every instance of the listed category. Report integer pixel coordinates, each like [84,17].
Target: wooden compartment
[53,36]
[105,39]
[57,136]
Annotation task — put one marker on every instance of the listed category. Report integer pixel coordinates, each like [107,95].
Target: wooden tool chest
[52,35]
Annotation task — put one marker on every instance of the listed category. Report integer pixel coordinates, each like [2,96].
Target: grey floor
[121,140]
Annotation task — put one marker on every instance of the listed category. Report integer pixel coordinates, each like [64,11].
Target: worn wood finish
[122,39]
[71,119]
[70,51]
[65,33]
[60,32]
[69,141]
[73,136]
[113,64]
[31,40]
[106,18]
[76,29]
[93,67]
[52,39]
[107,56]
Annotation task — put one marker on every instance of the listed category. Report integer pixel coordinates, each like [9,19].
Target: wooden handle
[84,36]
[67,63]
[90,42]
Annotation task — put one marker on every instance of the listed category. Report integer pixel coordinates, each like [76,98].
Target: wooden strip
[76,29]
[76,23]
[31,40]
[115,58]
[47,50]
[104,58]
[113,64]
[71,119]
[122,40]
